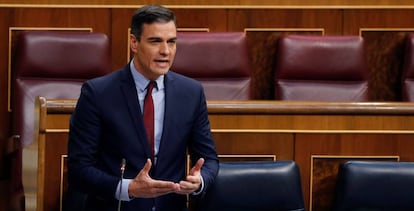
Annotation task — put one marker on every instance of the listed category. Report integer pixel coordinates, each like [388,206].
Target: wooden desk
[317,135]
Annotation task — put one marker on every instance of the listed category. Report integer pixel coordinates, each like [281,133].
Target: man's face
[154,54]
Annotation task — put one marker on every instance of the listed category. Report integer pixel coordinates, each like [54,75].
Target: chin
[162,72]
[165,70]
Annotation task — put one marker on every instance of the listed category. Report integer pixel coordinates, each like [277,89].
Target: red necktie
[149,115]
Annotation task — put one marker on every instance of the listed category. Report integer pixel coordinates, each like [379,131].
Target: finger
[187,187]
[170,187]
[147,167]
[183,191]
[197,166]
[194,179]
[192,183]
[164,186]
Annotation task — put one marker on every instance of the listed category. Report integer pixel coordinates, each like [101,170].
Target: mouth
[162,62]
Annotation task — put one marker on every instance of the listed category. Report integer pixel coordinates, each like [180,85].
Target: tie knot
[150,86]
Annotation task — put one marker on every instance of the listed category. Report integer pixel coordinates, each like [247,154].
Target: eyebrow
[173,39]
[160,39]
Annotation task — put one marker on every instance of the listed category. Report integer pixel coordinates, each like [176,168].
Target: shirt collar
[141,82]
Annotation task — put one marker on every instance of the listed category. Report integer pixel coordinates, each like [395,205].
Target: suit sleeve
[202,145]
[84,170]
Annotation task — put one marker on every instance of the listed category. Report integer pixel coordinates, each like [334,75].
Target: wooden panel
[251,143]
[215,3]
[385,65]
[215,20]
[50,175]
[98,19]
[355,19]
[246,158]
[329,20]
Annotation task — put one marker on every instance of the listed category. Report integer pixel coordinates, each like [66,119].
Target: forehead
[158,29]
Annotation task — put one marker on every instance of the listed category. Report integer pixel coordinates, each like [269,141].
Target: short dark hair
[149,14]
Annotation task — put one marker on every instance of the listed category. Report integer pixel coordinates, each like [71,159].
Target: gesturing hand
[192,181]
[143,186]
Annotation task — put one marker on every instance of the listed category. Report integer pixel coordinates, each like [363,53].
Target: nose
[164,48]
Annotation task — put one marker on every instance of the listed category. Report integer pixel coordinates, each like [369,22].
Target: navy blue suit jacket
[107,126]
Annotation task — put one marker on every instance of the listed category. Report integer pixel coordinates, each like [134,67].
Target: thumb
[197,166]
[147,167]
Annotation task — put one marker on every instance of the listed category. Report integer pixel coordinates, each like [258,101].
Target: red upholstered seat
[220,61]
[53,64]
[408,71]
[321,68]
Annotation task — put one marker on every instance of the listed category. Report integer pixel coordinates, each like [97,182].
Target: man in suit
[107,127]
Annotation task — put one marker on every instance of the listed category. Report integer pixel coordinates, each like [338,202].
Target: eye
[154,40]
[172,41]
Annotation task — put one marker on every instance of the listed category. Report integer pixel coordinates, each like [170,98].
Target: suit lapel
[131,96]
[168,113]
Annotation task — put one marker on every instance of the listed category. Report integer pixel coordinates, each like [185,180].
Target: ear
[133,43]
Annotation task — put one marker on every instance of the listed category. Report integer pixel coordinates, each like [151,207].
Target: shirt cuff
[122,193]
[201,187]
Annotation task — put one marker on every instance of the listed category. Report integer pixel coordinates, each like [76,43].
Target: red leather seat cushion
[54,65]
[321,68]
[220,61]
